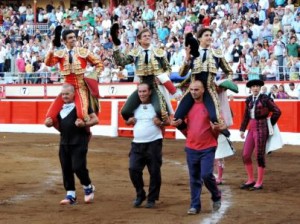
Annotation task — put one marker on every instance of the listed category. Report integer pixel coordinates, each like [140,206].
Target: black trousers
[150,155]
[187,102]
[73,160]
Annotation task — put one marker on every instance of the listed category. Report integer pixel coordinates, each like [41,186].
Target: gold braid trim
[162,104]
[211,88]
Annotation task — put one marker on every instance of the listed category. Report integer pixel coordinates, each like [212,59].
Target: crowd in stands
[259,38]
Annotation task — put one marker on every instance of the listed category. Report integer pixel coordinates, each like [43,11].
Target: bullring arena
[31,182]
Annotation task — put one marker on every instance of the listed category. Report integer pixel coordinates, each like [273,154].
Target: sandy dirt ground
[31,186]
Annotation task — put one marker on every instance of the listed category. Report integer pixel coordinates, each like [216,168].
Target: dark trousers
[73,160]
[150,155]
[201,166]
[187,102]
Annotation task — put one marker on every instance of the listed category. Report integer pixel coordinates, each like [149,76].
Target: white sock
[71,193]
[87,187]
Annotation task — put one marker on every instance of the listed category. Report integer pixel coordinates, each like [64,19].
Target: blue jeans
[201,166]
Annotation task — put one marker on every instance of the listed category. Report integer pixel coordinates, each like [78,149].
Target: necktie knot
[70,57]
[146,57]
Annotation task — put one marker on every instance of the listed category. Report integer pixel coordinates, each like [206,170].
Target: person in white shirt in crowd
[97,10]
[293,92]
[290,6]
[279,52]
[118,10]
[131,34]
[287,20]
[245,40]
[59,15]
[22,11]
[220,9]
[263,53]
[266,31]
[264,4]
[296,26]
[85,11]
[177,57]
[137,25]
[226,50]
[106,75]
[255,30]
[148,16]
[3,53]
[106,24]
[218,21]
[261,15]
[269,71]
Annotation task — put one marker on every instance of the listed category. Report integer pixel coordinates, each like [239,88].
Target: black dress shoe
[247,186]
[256,188]
[138,201]
[150,204]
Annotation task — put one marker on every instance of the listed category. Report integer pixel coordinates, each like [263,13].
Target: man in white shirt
[263,53]
[2,59]
[292,92]
[269,71]
[148,16]
[146,148]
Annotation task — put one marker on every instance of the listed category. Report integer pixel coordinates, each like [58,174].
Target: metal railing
[43,27]
[30,78]
[282,73]
[288,74]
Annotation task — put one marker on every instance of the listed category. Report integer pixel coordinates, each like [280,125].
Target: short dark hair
[65,33]
[202,31]
[292,84]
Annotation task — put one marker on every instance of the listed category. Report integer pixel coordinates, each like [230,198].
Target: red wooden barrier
[105,113]
[29,112]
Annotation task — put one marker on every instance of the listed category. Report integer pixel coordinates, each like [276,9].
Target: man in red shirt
[201,144]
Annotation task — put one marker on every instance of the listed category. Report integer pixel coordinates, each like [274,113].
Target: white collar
[149,48]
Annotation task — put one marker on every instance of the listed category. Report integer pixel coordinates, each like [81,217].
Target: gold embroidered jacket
[81,57]
[157,65]
[214,61]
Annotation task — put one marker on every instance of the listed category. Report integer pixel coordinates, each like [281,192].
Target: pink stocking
[249,169]
[260,176]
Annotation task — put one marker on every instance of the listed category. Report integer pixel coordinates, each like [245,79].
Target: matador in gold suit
[205,70]
[73,64]
[151,63]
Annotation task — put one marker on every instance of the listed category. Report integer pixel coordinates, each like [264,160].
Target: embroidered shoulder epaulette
[82,52]
[217,53]
[59,53]
[158,52]
[134,52]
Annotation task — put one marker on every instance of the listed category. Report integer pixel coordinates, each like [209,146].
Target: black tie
[146,57]
[254,99]
[204,55]
[70,57]
[253,102]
